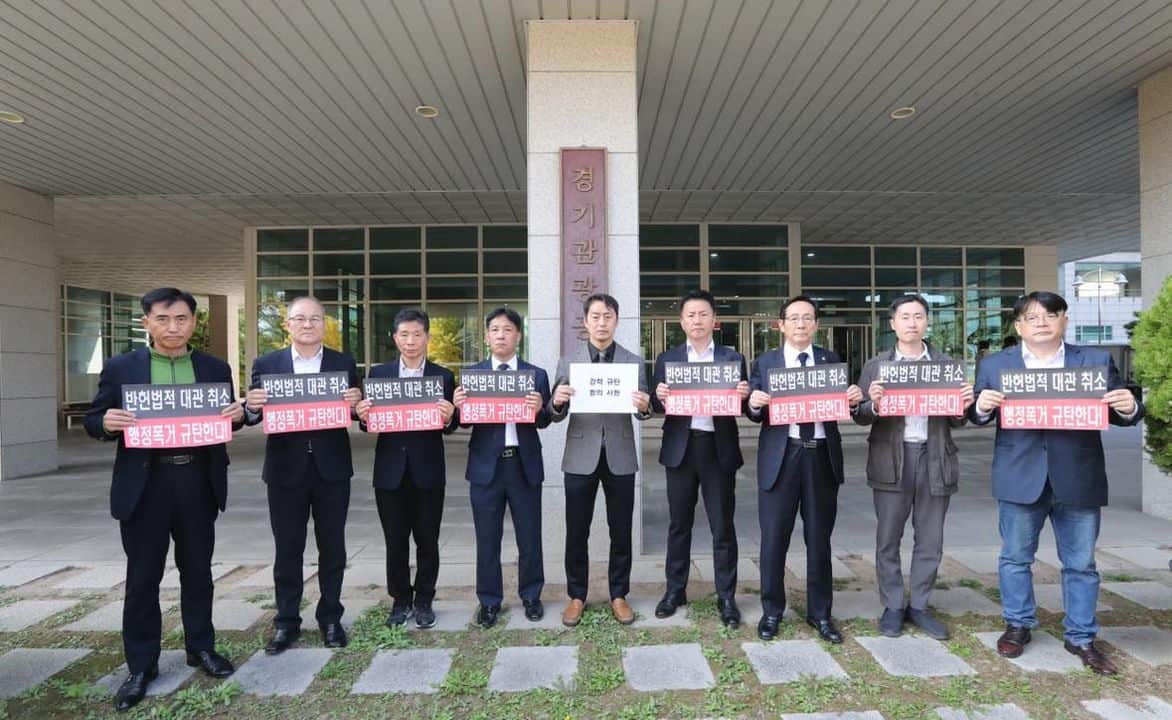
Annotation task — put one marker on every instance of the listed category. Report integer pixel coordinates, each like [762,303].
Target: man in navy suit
[505,467]
[799,469]
[1059,474]
[160,494]
[306,472]
[409,477]
[700,455]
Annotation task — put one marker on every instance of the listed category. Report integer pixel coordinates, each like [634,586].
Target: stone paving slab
[171,579]
[667,667]
[263,578]
[645,614]
[514,617]
[1148,558]
[796,564]
[747,571]
[1007,711]
[108,618]
[1153,708]
[864,604]
[23,573]
[1148,644]
[405,672]
[450,616]
[962,600]
[751,611]
[914,656]
[173,672]
[1044,653]
[101,577]
[365,575]
[289,673]
[518,669]
[23,668]
[784,661]
[848,715]
[1152,595]
[1048,596]
[981,562]
[26,613]
[355,607]
[1103,561]
[235,614]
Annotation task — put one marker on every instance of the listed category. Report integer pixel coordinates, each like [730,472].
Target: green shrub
[1152,341]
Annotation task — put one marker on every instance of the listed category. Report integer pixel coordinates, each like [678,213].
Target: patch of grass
[718,702]
[943,586]
[650,709]
[371,633]
[901,709]
[195,702]
[961,650]
[464,682]
[971,584]
[841,584]
[603,679]
[811,694]
[1120,577]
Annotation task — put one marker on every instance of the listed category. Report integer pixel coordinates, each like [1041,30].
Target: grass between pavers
[600,690]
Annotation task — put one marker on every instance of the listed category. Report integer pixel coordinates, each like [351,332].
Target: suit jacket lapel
[1075,357]
[142,368]
[285,361]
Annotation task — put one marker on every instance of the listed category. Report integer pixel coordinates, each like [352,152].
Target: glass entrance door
[660,334]
[851,342]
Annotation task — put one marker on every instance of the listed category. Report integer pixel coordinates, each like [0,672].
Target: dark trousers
[581,491]
[408,511]
[178,503]
[701,474]
[289,509]
[807,485]
[508,487]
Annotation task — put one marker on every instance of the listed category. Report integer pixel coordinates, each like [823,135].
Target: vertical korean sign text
[583,236]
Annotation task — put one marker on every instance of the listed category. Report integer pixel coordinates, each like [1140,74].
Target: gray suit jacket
[587,431]
[885,444]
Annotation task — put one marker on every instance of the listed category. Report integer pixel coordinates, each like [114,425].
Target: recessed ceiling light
[809,254]
[427,111]
[11,118]
[903,113]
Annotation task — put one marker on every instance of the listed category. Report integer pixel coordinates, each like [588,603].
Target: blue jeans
[1075,530]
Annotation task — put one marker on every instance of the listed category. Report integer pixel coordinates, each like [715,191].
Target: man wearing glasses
[1059,474]
[306,472]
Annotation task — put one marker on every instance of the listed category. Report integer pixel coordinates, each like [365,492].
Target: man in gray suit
[600,450]
[913,470]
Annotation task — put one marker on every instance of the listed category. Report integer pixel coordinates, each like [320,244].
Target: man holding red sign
[912,465]
[159,494]
[306,471]
[1059,474]
[799,467]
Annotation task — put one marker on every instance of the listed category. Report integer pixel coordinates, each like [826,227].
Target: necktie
[502,366]
[805,430]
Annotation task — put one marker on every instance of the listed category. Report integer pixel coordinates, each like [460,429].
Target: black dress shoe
[534,610]
[211,663]
[487,614]
[400,613]
[826,630]
[424,616]
[670,603]
[134,689]
[730,615]
[283,639]
[767,627]
[333,635]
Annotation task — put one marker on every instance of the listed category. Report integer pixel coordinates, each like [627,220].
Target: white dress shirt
[510,428]
[406,372]
[790,353]
[702,422]
[915,428]
[310,364]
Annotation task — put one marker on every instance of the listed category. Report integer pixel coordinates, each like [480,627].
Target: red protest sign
[815,393]
[702,388]
[404,404]
[920,387]
[497,396]
[304,402]
[1054,399]
[177,416]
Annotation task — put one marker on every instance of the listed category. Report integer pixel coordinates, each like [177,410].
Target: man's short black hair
[698,294]
[411,314]
[798,298]
[983,345]
[905,299]
[168,296]
[1051,301]
[510,314]
[1008,342]
[603,298]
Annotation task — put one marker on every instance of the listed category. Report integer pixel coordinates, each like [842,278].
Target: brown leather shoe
[1012,642]
[572,615]
[1092,657]
[622,611]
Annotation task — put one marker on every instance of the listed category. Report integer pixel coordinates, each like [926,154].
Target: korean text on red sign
[1054,398]
[699,388]
[177,416]
[306,401]
[497,396]
[920,387]
[815,393]
[404,404]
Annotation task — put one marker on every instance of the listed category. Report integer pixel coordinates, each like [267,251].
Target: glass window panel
[451,238]
[339,265]
[1014,257]
[86,310]
[669,286]
[451,263]
[403,263]
[661,307]
[128,302]
[835,316]
[939,299]
[339,239]
[946,332]
[669,236]
[742,306]
[382,333]
[395,238]
[895,256]
[994,327]
[457,334]
[842,298]
[506,287]
[836,277]
[86,295]
[396,288]
[940,277]
[996,277]
[452,288]
[937,256]
[125,317]
[345,330]
[506,262]
[270,326]
[771,286]
[281,290]
[85,327]
[338,289]
[282,265]
[895,277]
[763,236]
[506,236]
[835,255]
[663,260]
[748,260]
[987,299]
[282,239]
[83,367]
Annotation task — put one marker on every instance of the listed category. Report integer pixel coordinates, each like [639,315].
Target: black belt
[185,459]
[508,452]
[701,433]
[807,444]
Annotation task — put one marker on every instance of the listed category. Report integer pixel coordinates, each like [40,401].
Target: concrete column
[224,331]
[1155,186]
[1041,269]
[581,92]
[28,334]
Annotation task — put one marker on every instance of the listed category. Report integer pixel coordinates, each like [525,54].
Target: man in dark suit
[306,472]
[505,467]
[799,469]
[700,455]
[409,478]
[1060,474]
[160,494]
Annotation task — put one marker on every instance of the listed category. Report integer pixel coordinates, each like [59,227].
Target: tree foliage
[1152,342]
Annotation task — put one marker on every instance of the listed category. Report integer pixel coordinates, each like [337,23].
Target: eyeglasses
[1046,318]
[302,320]
[795,319]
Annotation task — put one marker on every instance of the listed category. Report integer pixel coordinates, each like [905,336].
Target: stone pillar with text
[581,93]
